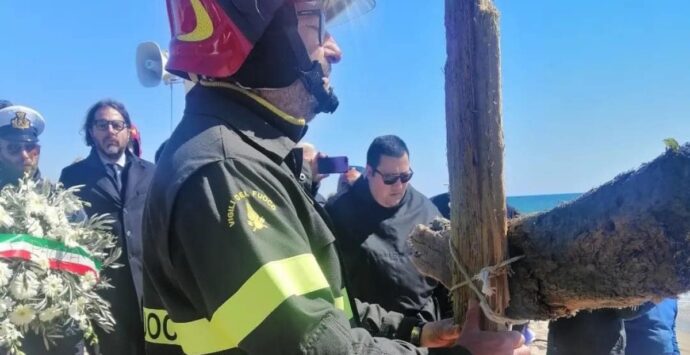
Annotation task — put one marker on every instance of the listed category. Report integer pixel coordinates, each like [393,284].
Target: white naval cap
[20,123]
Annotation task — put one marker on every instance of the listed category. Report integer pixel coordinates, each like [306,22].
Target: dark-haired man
[373,220]
[116,182]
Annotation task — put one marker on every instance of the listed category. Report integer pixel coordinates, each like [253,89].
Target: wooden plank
[475,144]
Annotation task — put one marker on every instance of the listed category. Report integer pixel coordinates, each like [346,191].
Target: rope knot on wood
[484,275]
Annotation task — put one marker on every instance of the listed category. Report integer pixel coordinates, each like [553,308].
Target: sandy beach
[682,329]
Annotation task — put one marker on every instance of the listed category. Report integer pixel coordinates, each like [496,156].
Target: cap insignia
[20,121]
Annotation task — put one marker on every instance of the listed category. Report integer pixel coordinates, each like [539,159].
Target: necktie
[115,176]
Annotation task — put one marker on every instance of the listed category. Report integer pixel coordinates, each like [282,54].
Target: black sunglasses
[392,179]
[18,148]
[103,125]
[306,8]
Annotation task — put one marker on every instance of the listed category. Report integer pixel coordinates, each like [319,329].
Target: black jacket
[127,211]
[238,258]
[375,252]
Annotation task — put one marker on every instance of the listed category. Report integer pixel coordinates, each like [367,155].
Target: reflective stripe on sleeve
[258,297]
[343,303]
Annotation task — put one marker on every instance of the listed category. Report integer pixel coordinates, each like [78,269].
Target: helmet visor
[340,11]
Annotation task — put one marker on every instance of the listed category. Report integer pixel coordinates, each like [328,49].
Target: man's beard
[111,151]
[294,100]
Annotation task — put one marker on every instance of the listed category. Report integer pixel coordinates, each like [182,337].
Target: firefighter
[238,257]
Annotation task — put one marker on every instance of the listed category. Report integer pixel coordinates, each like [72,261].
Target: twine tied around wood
[484,276]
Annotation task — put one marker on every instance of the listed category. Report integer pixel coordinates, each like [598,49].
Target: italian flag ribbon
[61,257]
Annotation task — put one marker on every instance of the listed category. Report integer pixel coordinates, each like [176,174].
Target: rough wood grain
[621,244]
[475,143]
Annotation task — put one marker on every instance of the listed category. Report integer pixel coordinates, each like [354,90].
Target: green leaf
[672,144]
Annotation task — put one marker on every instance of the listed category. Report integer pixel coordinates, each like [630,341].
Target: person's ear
[369,171]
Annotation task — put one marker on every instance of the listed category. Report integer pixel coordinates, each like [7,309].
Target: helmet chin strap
[326,100]
[281,57]
[311,73]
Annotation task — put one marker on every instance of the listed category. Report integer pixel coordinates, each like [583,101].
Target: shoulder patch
[254,219]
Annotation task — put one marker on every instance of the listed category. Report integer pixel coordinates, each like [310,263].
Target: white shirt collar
[120,161]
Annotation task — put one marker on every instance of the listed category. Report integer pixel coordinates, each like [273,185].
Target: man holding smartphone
[372,221]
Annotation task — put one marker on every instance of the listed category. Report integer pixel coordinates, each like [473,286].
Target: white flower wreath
[51,265]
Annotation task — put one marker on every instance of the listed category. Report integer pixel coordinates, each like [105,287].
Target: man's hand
[440,334]
[480,342]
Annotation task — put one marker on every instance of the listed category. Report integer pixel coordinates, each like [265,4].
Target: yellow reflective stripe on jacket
[258,297]
[343,303]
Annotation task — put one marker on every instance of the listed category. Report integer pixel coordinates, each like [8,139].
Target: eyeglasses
[103,125]
[390,179]
[19,148]
[312,8]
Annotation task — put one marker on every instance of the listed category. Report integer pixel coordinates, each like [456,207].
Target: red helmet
[216,38]
[213,38]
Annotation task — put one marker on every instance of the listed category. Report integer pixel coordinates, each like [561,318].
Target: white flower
[33,226]
[5,274]
[49,314]
[8,332]
[24,286]
[61,233]
[22,315]
[34,204]
[88,281]
[67,236]
[76,309]
[41,260]
[54,217]
[6,303]
[6,219]
[52,286]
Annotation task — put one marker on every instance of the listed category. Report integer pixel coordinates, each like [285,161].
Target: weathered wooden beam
[475,144]
[619,245]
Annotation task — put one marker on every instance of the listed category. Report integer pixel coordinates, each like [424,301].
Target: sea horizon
[540,203]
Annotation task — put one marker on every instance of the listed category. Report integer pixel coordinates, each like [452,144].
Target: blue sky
[590,88]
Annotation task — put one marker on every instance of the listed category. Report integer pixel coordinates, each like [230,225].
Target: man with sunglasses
[239,258]
[372,222]
[20,127]
[115,183]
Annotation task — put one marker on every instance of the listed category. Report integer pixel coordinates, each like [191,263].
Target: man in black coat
[372,221]
[116,183]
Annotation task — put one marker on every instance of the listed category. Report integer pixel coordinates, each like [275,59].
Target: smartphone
[331,165]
